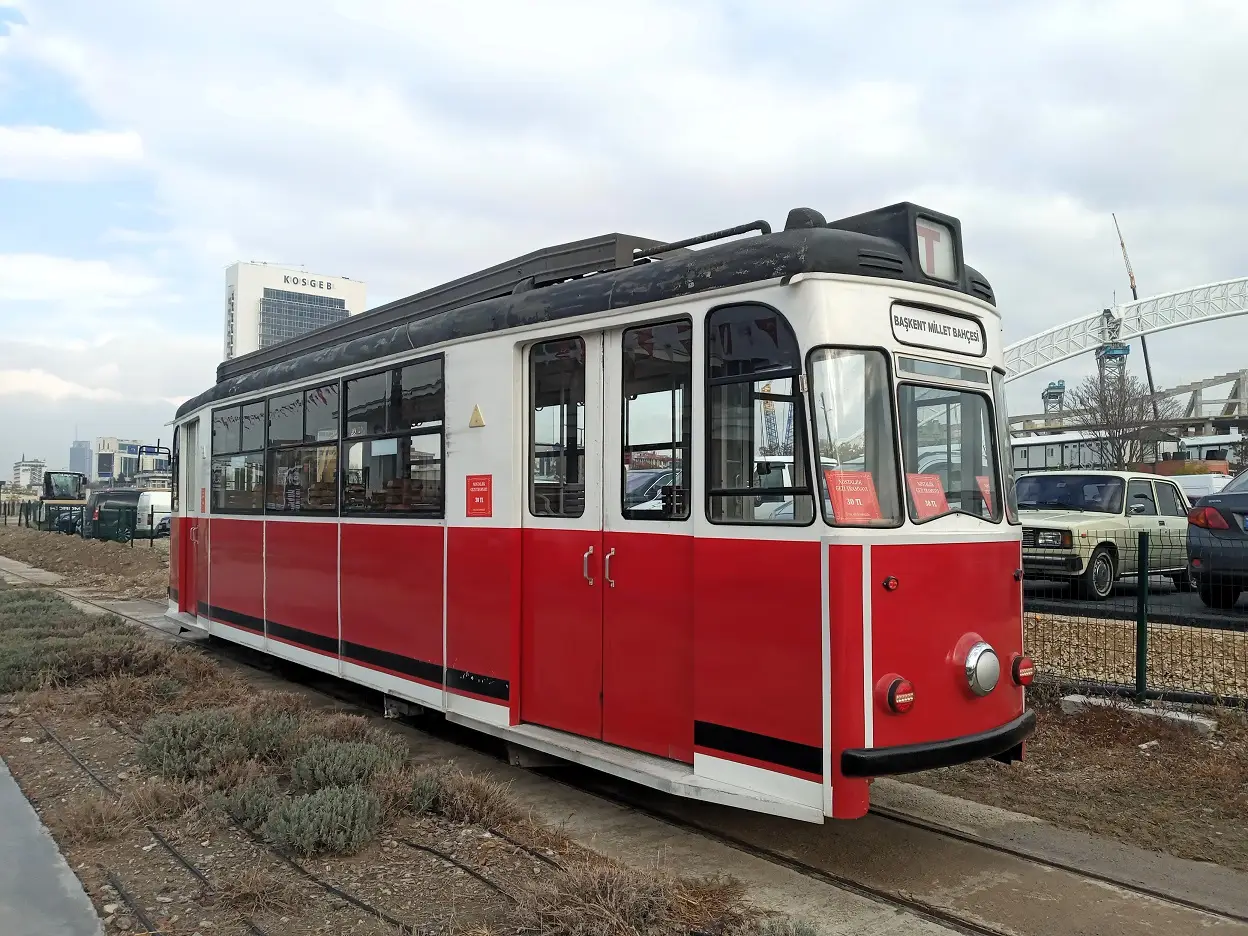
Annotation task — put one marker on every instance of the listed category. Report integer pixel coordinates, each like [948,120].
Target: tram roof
[596,275]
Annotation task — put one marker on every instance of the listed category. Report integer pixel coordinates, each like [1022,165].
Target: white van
[153,507]
[1195,487]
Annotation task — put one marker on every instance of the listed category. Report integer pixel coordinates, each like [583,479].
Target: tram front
[920,538]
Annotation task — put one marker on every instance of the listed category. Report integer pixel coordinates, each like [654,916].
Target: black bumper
[1061,565]
[907,758]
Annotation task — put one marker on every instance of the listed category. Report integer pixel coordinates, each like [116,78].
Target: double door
[607,616]
[191,528]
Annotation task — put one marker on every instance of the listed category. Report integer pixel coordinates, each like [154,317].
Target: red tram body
[734,522]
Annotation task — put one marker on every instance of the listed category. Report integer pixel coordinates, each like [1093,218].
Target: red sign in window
[480,496]
[928,492]
[853,496]
[985,489]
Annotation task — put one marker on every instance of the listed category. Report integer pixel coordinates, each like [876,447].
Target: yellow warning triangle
[476,421]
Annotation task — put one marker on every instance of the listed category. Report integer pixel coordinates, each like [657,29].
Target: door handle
[606,567]
[585,564]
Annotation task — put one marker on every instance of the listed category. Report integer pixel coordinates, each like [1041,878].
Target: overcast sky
[145,146]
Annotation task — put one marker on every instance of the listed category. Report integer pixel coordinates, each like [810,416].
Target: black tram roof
[600,274]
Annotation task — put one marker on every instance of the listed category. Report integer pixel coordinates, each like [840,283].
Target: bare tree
[1116,413]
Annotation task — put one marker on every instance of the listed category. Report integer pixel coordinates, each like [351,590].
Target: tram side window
[320,414]
[947,453]
[393,457]
[301,476]
[557,428]
[303,479]
[853,428]
[238,459]
[756,457]
[658,421]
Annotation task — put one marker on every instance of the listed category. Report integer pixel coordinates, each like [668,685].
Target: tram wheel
[1097,581]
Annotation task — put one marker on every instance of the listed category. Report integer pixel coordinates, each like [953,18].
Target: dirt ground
[1099,772]
[108,741]
[117,570]
[1134,779]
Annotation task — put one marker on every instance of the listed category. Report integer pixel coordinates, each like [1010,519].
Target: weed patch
[334,820]
[339,764]
[45,641]
[253,802]
[191,745]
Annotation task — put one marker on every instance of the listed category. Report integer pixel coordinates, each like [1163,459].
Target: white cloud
[41,154]
[406,144]
[81,284]
[40,383]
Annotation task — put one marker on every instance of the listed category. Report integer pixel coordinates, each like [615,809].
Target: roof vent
[800,218]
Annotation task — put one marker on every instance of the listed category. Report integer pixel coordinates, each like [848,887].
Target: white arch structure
[1125,322]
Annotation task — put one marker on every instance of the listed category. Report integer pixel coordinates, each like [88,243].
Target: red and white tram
[735,522]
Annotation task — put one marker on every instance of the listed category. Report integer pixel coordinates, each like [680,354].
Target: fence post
[151,527]
[1141,618]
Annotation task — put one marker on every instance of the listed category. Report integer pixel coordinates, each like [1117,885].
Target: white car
[1083,527]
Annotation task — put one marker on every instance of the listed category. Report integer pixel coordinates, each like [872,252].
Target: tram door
[607,649]
[189,585]
[561,542]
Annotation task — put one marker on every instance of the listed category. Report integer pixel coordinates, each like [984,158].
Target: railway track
[669,811]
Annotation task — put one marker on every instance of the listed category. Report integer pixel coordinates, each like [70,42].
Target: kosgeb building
[266,304]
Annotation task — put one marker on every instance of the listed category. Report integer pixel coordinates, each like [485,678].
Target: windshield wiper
[1051,505]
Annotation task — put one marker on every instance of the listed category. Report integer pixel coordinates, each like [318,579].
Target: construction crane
[1148,369]
[771,432]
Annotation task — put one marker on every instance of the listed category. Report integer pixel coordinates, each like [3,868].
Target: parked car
[1083,527]
[163,525]
[1201,485]
[1217,544]
[153,506]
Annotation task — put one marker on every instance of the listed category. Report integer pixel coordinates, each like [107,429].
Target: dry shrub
[275,701]
[158,800]
[337,726]
[258,890]
[93,819]
[603,899]
[129,696]
[404,790]
[476,799]
[235,774]
[334,820]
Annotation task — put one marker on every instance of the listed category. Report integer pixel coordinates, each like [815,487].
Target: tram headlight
[983,669]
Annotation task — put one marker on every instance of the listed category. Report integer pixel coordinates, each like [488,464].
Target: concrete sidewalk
[39,894]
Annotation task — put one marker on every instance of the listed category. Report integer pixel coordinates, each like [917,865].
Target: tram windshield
[853,425]
[947,453]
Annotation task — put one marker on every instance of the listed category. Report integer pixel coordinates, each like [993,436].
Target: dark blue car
[1217,544]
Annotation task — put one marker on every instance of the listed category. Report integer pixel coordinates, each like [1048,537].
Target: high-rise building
[266,305]
[115,459]
[80,457]
[28,472]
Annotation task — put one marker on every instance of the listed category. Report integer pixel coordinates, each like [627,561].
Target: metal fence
[1156,634]
[116,522]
